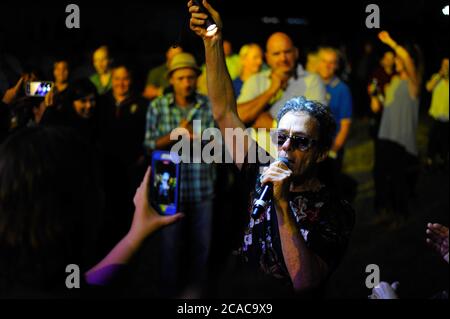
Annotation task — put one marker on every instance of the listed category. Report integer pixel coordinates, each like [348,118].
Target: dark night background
[140,33]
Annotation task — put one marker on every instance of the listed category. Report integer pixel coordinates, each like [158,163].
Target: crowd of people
[74,166]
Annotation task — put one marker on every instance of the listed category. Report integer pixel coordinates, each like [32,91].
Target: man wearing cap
[173,111]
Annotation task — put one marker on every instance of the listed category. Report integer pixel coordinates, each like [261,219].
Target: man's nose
[286,145]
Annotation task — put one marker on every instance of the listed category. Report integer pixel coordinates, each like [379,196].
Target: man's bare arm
[220,87]
[249,111]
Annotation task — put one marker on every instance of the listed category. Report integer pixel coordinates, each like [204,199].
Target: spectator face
[388,60]
[121,81]
[101,60]
[253,59]
[302,163]
[328,64]
[281,53]
[173,51]
[85,106]
[61,72]
[184,82]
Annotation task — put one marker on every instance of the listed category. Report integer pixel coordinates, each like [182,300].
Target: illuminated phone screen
[164,183]
[39,88]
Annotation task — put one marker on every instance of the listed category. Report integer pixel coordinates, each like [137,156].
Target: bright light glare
[445,10]
[211,30]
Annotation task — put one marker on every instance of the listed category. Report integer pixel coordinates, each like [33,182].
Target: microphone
[210,25]
[262,202]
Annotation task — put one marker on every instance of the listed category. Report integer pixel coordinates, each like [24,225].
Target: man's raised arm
[220,88]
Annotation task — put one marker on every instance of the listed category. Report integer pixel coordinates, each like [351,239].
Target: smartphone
[164,190]
[38,88]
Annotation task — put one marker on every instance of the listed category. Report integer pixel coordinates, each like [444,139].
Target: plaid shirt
[162,117]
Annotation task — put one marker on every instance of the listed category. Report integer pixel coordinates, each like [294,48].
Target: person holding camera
[50,217]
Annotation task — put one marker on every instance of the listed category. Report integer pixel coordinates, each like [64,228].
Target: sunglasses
[303,143]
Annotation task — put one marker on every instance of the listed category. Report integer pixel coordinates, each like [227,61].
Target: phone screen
[165,179]
[38,88]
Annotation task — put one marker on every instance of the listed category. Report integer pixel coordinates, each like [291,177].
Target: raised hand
[385,37]
[146,220]
[198,20]
[12,93]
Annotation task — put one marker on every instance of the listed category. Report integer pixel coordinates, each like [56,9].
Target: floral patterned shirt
[324,222]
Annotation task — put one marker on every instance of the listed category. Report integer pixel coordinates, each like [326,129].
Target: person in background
[437,154]
[17,109]
[233,62]
[339,99]
[396,158]
[78,111]
[157,82]
[173,114]
[381,77]
[312,62]
[122,113]
[50,217]
[59,92]
[251,59]
[102,63]
[264,93]
[61,75]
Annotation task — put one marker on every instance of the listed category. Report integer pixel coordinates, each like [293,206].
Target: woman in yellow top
[437,155]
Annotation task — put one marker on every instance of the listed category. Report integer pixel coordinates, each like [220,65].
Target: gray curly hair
[319,111]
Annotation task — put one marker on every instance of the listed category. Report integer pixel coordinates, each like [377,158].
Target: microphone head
[285,161]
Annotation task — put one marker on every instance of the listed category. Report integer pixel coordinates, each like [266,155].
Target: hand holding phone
[145,219]
[164,190]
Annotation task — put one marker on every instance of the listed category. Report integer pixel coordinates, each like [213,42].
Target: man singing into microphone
[299,238]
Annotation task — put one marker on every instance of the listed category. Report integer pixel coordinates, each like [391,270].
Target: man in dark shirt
[301,235]
[122,136]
